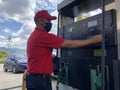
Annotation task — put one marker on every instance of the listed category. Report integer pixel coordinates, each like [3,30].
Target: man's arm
[81,43]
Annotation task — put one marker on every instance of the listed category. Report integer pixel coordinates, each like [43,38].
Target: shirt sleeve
[51,41]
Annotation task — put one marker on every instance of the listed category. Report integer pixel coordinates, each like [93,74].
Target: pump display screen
[93,26]
[92,23]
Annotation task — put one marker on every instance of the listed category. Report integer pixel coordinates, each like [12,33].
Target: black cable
[57,31]
[57,87]
[103,46]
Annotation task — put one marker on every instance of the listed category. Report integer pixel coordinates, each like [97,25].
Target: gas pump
[81,68]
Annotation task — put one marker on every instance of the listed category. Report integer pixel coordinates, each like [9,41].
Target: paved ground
[10,81]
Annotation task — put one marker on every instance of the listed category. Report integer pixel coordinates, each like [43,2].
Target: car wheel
[5,69]
[14,70]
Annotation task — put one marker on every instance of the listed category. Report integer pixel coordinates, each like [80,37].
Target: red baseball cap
[44,14]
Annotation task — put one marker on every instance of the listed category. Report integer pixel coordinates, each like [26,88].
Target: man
[39,51]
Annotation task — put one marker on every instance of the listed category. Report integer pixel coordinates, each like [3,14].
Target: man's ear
[42,22]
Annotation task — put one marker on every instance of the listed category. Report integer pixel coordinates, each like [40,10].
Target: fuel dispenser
[80,68]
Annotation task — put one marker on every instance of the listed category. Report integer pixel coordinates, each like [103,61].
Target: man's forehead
[48,20]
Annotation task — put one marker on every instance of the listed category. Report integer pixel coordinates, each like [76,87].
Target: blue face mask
[48,27]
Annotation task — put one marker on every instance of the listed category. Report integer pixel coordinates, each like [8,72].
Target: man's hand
[96,38]
[81,43]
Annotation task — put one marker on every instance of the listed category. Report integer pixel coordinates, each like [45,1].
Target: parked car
[15,63]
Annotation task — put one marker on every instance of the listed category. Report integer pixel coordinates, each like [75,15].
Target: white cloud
[3,44]
[1,20]
[3,41]
[18,10]
[14,43]
[26,29]
[47,4]
[22,11]
[7,30]
[2,37]
[54,23]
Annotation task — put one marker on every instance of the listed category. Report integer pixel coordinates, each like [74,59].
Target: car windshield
[21,58]
[18,57]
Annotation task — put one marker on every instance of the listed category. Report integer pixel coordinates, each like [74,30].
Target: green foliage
[3,55]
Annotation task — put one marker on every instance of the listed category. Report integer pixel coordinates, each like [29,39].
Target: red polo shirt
[39,50]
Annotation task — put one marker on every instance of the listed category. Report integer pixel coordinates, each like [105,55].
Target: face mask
[48,26]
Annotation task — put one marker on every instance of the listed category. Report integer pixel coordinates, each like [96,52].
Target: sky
[16,20]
